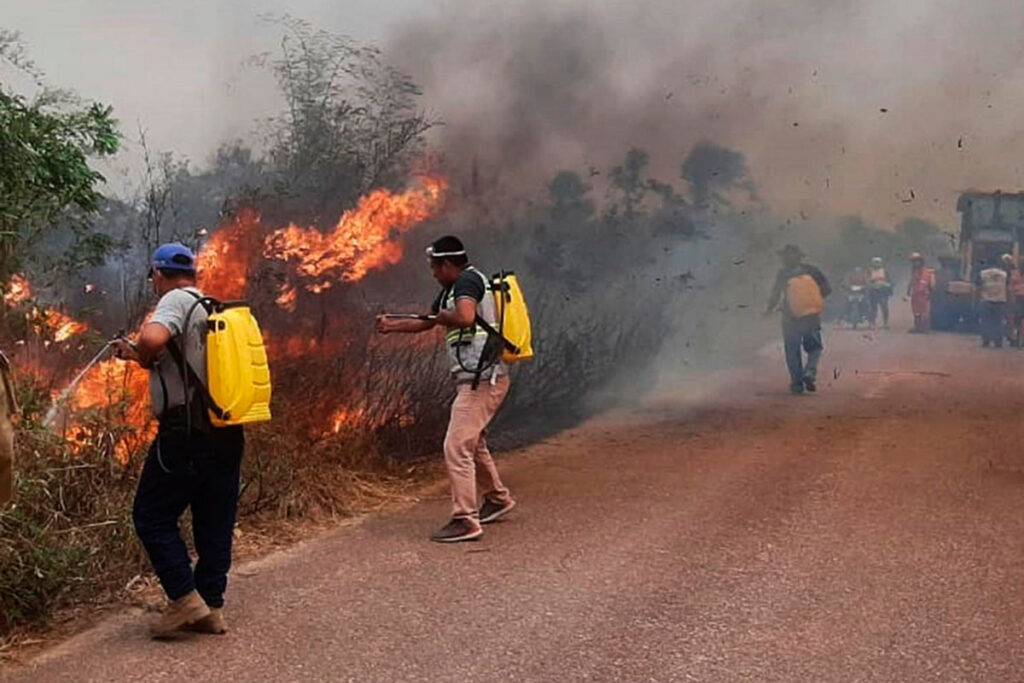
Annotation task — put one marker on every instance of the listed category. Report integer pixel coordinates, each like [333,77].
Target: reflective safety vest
[465,345]
[993,285]
[879,279]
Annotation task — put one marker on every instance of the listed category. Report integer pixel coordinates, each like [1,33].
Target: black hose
[200,301]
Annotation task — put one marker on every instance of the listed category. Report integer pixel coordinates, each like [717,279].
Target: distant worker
[8,407]
[195,468]
[800,289]
[879,291]
[1014,298]
[464,297]
[992,285]
[919,289]
[857,306]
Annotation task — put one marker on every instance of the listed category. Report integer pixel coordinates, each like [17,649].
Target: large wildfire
[365,238]
[362,240]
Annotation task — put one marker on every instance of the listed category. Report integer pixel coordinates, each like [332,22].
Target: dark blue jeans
[993,322]
[802,334]
[201,472]
[879,299]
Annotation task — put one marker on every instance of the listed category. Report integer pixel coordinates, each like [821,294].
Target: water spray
[51,414]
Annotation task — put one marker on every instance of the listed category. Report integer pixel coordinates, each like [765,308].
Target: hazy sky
[176,66]
[882,107]
[886,108]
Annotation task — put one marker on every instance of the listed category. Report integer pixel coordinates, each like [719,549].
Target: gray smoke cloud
[875,108]
[839,107]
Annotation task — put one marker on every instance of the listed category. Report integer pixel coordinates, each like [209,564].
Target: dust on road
[871,532]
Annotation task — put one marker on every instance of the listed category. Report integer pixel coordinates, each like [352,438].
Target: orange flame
[63,326]
[110,384]
[17,291]
[47,321]
[287,298]
[224,260]
[363,239]
[351,418]
[343,417]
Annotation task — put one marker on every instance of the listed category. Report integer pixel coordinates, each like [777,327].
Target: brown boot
[184,610]
[214,623]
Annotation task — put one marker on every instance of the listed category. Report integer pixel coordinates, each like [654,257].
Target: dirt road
[874,532]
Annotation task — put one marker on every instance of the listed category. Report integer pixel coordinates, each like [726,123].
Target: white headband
[441,254]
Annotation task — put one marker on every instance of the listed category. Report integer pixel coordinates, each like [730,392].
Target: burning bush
[350,406]
[313,236]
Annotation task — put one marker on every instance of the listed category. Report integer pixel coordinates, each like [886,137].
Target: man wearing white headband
[482,383]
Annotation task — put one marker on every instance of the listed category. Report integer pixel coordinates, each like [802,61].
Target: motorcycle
[857,306]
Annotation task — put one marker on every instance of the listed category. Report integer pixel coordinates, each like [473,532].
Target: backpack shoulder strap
[185,368]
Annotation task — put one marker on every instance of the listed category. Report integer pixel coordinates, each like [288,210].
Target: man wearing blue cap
[191,464]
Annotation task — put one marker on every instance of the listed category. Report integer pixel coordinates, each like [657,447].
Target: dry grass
[69,544]
[69,541]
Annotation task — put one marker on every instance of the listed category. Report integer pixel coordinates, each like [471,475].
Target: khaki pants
[471,469]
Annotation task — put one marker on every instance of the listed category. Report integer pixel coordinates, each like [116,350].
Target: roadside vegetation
[604,254]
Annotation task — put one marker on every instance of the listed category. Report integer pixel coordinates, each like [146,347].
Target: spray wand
[408,316]
[51,414]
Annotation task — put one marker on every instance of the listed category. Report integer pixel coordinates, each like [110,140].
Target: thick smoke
[840,108]
[879,109]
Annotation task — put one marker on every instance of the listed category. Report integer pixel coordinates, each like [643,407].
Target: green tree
[351,121]
[45,178]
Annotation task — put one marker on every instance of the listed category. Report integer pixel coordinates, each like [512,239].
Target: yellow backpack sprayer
[513,318]
[512,340]
[238,387]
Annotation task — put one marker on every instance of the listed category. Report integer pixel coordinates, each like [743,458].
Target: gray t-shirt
[170,312]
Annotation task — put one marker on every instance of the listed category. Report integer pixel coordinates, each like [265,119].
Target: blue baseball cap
[173,256]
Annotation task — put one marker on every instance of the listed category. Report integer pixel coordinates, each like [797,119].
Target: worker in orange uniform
[1014,299]
[919,289]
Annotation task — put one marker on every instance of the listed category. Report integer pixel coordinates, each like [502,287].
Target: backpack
[513,317]
[803,296]
[238,384]
[511,341]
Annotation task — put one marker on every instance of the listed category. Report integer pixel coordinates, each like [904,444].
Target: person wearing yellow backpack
[800,290]
[465,308]
[191,463]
